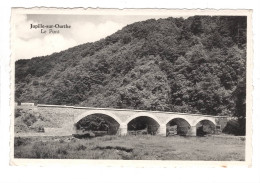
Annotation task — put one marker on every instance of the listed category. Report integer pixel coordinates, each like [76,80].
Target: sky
[30,43]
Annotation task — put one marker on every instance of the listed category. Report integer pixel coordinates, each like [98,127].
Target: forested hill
[192,65]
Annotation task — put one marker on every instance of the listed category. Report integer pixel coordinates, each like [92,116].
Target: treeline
[195,65]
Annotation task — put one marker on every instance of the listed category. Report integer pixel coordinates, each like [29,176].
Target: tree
[196,26]
[240,109]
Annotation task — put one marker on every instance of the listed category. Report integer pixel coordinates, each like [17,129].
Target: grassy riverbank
[132,147]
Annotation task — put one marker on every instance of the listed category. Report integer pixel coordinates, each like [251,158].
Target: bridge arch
[205,126]
[178,116]
[88,113]
[98,122]
[205,119]
[177,125]
[143,123]
[145,114]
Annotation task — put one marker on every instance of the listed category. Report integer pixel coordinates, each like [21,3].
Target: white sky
[30,43]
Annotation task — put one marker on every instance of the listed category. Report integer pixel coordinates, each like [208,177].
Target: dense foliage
[98,122]
[195,65]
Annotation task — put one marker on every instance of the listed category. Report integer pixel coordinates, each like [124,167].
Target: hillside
[195,65]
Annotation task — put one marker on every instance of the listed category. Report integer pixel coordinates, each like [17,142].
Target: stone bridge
[70,115]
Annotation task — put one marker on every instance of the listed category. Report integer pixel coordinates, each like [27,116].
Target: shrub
[17,112]
[80,147]
[87,134]
[62,150]
[61,141]
[28,119]
[42,150]
[232,127]
[19,126]
[18,141]
[38,126]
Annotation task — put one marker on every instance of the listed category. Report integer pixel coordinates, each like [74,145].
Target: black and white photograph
[157,85]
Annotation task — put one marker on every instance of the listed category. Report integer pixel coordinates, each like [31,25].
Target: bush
[19,126]
[61,141]
[232,127]
[87,134]
[80,147]
[18,141]
[62,150]
[38,126]
[17,112]
[29,119]
[42,150]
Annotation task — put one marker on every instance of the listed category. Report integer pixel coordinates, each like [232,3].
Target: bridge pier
[162,130]
[122,129]
[193,131]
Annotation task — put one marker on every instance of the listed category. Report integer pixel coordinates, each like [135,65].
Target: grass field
[132,148]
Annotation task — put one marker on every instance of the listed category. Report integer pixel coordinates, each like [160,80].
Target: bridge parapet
[134,110]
